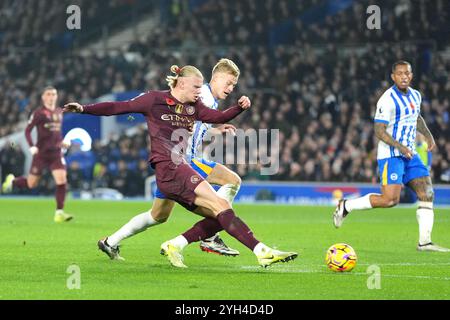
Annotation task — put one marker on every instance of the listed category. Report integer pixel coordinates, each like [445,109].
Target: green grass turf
[35,254]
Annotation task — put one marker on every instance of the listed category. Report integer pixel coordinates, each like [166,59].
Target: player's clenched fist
[65,144]
[244,102]
[34,150]
[73,107]
[406,152]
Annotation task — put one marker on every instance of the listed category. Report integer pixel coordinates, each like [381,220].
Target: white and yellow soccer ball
[341,257]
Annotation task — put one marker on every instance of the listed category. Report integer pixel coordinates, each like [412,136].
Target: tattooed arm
[423,129]
[381,133]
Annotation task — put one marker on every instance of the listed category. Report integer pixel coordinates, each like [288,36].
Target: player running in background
[170,115]
[397,119]
[224,78]
[47,152]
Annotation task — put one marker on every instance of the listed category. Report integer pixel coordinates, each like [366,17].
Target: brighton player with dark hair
[397,119]
[170,116]
[47,152]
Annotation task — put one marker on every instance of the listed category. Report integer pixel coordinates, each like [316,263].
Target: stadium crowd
[290,22]
[33,34]
[320,91]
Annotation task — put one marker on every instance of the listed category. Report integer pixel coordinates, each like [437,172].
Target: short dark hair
[48,88]
[400,63]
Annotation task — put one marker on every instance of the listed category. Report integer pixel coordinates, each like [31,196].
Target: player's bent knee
[235,180]
[32,183]
[159,217]
[427,196]
[223,202]
[219,205]
[61,178]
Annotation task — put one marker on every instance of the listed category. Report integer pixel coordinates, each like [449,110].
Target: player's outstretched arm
[382,134]
[99,109]
[141,104]
[208,115]
[423,129]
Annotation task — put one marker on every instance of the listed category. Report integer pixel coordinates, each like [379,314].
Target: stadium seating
[317,84]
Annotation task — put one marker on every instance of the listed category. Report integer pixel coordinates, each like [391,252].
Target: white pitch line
[407,264]
[407,276]
[287,269]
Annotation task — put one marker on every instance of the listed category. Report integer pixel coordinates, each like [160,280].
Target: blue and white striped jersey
[400,112]
[201,128]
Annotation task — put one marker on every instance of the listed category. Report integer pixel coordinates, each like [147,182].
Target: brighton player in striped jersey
[397,119]
[224,78]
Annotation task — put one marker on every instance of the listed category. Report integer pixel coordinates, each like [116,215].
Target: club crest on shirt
[195,179]
[190,110]
[179,109]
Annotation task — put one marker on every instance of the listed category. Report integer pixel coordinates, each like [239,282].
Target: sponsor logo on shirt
[175,117]
[53,126]
[178,120]
[179,109]
[57,117]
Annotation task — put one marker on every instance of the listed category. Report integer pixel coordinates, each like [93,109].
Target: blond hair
[226,66]
[186,71]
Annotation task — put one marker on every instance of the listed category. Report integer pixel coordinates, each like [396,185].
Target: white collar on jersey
[400,92]
[209,87]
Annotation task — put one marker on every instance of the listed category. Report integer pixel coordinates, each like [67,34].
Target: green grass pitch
[35,255]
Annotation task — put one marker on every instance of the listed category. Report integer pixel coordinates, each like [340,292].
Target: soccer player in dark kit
[47,152]
[170,116]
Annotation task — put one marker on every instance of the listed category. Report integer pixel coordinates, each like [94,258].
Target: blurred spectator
[75,176]
[101,177]
[11,160]
[122,179]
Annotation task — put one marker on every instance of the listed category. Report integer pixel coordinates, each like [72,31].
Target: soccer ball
[341,257]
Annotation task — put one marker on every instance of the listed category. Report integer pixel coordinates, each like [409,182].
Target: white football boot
[112,252]
[339,213]
[431,247]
